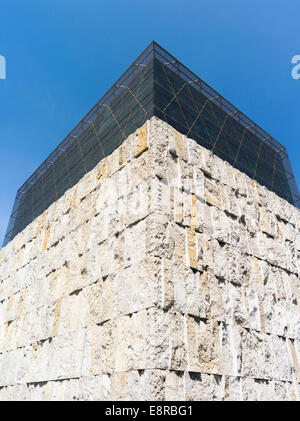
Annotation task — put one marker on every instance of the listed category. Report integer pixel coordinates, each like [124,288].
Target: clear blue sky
[62,56]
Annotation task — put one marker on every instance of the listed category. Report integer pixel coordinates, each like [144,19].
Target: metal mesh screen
[155,84]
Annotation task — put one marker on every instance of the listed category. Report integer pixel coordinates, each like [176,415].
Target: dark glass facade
[155,84]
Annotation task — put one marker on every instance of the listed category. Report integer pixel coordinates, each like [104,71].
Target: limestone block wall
[164,273]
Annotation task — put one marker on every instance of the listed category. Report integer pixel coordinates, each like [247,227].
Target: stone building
[155,254]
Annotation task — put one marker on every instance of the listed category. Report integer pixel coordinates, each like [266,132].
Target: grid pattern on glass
[155,84]
[190,112]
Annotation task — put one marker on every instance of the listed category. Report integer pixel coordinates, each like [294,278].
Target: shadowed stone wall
[164,273]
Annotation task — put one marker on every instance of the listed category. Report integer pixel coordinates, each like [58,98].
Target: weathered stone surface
[164,273]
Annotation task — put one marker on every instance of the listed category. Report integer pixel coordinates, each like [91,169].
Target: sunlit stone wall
[164,273]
